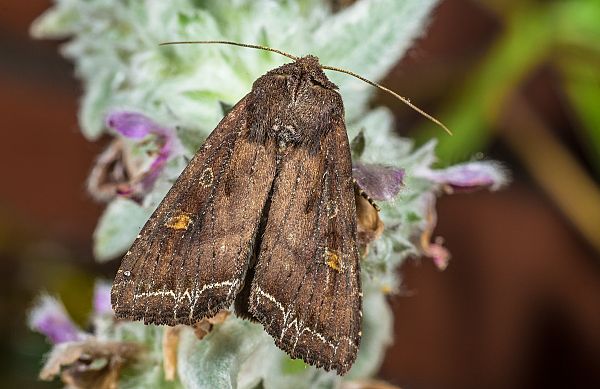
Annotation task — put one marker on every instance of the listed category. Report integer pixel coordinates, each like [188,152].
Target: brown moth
[263,218]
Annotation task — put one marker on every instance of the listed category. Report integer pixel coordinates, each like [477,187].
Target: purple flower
[119,171]
[50,318]
[438,254]
[101,301]
[467,176]
[132,125]
[379,182]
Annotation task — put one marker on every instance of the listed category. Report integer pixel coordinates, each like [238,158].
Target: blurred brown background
[518,307]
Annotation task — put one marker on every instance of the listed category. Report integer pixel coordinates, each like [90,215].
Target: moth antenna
[396,95]
[233,44]
[293,57]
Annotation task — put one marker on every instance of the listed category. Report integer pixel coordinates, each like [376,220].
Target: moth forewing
[306,290]
[190,258]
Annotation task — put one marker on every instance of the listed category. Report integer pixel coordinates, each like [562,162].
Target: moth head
[313,71]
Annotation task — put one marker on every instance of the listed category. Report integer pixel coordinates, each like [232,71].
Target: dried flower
[50,318]
[368,223]
[170,343]
[378,181]
[111,175]
[89,363]
[171,335]
[204,326]
[85,361]
[434,250]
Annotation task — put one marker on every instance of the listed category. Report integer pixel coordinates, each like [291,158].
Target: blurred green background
[517,81]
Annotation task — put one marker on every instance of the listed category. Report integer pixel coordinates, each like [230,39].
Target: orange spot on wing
[332,259]
[179,222]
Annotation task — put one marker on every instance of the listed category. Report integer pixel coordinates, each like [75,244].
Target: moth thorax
[285,135]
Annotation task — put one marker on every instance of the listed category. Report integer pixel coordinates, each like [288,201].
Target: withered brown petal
[80,362]
[369,224]
[109,174]
[170,345]
[204,326]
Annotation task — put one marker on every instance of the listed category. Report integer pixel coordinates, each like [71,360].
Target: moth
[263,219]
